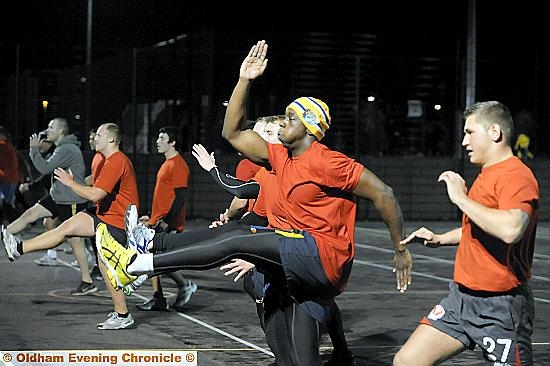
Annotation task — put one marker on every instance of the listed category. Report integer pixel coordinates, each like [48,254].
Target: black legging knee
[209,248]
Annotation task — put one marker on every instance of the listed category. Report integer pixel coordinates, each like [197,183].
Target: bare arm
[90,193]
[506,225]
[431,240]
[381,195]
[248,143]
[236,206]
[89,180]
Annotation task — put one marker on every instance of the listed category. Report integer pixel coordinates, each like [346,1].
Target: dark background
[49,38]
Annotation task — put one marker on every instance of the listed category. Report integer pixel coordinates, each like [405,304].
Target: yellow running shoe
[115,257]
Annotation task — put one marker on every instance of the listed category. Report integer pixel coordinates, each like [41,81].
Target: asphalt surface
[38,313]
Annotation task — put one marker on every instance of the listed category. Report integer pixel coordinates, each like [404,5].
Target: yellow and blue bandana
[313,113]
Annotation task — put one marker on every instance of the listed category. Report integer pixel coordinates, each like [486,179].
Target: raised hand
[456,186]
[205,160]
[255,63]
[34,140]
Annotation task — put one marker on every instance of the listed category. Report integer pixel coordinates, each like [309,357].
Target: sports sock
[143,263]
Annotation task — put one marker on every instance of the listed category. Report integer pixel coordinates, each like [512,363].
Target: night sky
[60,25]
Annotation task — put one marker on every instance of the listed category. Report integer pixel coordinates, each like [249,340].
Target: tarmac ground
[220,323]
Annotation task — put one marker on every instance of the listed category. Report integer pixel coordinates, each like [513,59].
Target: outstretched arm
[431,240]
[247,142]
[381,195]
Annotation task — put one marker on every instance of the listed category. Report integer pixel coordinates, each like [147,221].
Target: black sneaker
[84,289]
[154,304]
[95,273]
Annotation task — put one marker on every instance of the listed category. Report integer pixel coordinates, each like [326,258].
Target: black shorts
[118,234]
[308,282]
[62,211]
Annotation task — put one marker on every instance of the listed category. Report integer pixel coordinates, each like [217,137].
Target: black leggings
[293,336]
[209,248]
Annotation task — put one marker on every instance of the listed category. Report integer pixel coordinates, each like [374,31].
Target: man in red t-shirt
[168,214]
[315,197]
[266,127]
[113,190]
[490,303]
[97,163]
[9,172]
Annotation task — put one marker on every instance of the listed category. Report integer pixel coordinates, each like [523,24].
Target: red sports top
[483,262]
[172,174]
[118,179]
[245,171]
[267,204]
[315,191]
[9,163]
[97,163]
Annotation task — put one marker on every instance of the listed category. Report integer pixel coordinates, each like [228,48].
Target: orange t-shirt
[267,204]
[483,262]
[172,174]
[315,190]
[118,179]
[245,171]
[97,163]
[9,163]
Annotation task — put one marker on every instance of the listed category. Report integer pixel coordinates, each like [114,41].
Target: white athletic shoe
[138,235]
[10,243]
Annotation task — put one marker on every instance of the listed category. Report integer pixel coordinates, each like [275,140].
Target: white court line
[430,258]
[197,321]
[263,350]
[217,330]
[384,234]
[419,274]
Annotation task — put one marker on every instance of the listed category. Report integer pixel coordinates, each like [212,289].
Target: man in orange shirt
[9,172]
[168,214]
[315,199]
[114,189]
[490,303]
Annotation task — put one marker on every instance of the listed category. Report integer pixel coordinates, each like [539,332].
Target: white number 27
[491,345]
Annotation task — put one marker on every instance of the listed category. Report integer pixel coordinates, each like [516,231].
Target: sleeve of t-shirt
[110,174]
[276,154]
[339,171]
[517,192]
[181,178]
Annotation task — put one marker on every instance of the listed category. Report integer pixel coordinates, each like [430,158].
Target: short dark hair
[114,130]
[63,124]
[492,112]
[174,135]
